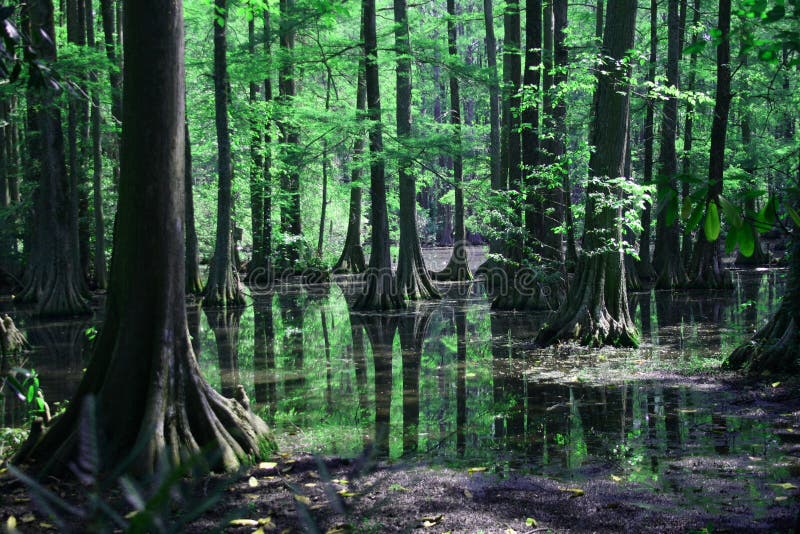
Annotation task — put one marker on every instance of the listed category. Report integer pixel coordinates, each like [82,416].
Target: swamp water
[452,383]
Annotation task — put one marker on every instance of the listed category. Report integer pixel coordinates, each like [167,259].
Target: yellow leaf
[477,470]
[21,499]
[28,518]
[11,523]
[265,522]
[303,499]
[342,528]
[510,531]
[243,523]
[46,526]
[615,478]
[431,520]
[267,465]
[131,515]
[259,530]
[342,481]
[785,485]
[345,493]
[576,492]
[776,384]
[252,482]
[467,494]
[310,485]
[781,498]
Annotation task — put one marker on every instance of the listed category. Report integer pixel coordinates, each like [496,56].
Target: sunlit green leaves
[711,227]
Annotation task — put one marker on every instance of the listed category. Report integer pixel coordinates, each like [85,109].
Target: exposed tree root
[12,340]
[595,312]
[352,259]
[632,280]
[226,292]
[673,275]
[412,278]
[774,348]
[457,268]
[379,292]
[706,270]
[56,292]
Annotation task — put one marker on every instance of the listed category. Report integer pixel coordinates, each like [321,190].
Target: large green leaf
[732,214]
[712,224]
[794,215]
[747,242]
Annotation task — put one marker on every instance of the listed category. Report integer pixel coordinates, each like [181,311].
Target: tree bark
[54,278]
[194,286]
[108,15]
[352,257]
[457,268]
[645,265]
[151,401]
[666,262]
[495,163]
[706,270]
[380,291]
[223,287]
[596,309]
[688,132]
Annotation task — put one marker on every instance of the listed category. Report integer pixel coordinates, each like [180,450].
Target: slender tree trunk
[256,161]
[100,271]
[352,258]
[291,225]
[688,132]
[380,291]
[666,262]
[114,77]
[495,163]
[531,158]
[223,287]
[325,166]
[143,390]
[706,270]
[194,285]
[645,265]
[457,268]
[413,329]
[596,309]
[54,278]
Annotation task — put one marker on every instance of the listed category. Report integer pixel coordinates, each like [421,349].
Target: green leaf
[794,215]
[765,218]
[31,394]
[747,242]
[695,48]
[694,220]
[731,212]
[731,239]
[712,224]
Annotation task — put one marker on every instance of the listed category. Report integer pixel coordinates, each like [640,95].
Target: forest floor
[313,494]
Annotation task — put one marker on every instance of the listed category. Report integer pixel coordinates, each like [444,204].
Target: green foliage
[24,384]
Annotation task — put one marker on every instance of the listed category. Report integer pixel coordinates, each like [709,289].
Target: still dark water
[453,383]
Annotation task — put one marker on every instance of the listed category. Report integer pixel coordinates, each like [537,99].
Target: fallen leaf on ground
[785,485]
[340,529]
[615,478]
[431,521]
[267,465]
[252,482]
[576,492]
[243,523]
[467,494]
[477,470]
[531,522]
[303,499]
[28,518]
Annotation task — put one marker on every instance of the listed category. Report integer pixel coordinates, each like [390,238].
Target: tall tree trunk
[380,291]
[413,280]
[291,224]
[100,270]
[666,262]
[325,165]
[194,286]
[645,264]
[54,279]
[706,270]
[108,15]
[352,258]
[223,287]
[495,163]
[256,160]
[413,329]
[596,309]
[688,131]
[143,390]
[457,268]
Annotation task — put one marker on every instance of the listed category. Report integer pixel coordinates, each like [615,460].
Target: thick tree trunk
[666,262]
[706,270]
[54,279]
[380,291]
[457,268]
[352,258]
[596,309]
[151,401]
[194,286]
[413,329]
[223,287]
[775,348]
[257,170]
[645,264]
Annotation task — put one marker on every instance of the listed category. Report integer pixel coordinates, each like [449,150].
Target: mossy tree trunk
[54,278]
[223,287]
[152,402]
[380,291]
[706,270]
[595,311]
[667,263]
